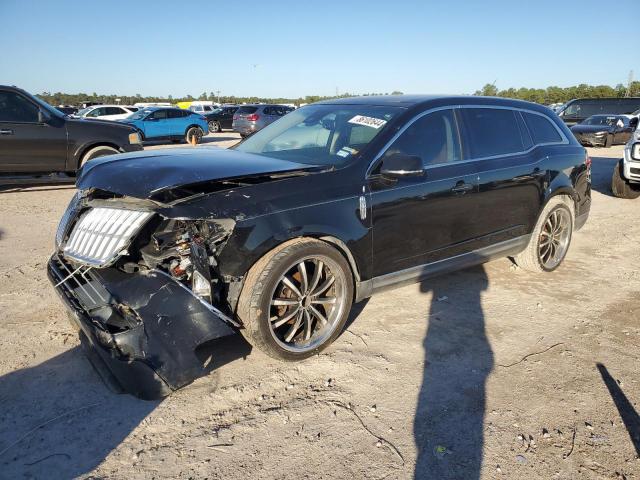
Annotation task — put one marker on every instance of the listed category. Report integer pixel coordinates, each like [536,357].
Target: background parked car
[605,130]
[251,118]
[575,111]
[35,137]
[221,118]
[67,109]
[106,112]
[171,123]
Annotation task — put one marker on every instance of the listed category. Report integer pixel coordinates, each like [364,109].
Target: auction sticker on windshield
[368,121]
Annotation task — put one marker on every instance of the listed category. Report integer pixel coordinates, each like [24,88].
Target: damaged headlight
[201,286]
[187,250]
[69,213]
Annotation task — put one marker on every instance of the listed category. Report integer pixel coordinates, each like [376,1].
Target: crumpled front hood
[591,128]
[145,174]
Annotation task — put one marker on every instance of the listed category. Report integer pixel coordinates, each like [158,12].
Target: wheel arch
[193,125]
[281,242]
[81,152]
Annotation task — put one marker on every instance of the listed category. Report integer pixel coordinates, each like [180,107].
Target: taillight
[587,162]
[253,117]
[235,117]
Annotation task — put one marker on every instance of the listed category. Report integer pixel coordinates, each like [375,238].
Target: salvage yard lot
[491,365]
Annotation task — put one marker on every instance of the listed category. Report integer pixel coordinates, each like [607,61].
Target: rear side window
[491,131]
[433,138]
[159,114]
[245,110]
[542,130]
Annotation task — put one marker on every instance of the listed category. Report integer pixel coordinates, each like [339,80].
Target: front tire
[95,152]
[194,134]
[619,185]
[550,238]
[296,299]
[608,141]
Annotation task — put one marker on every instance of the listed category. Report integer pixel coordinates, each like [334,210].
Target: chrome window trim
[564,140]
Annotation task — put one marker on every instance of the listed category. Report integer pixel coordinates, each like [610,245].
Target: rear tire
[551,237]
[292,312]
[95,152]
[214,126]
[619,185]
[194,132]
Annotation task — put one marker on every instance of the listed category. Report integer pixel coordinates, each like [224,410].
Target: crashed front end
[142,289]
[591,138]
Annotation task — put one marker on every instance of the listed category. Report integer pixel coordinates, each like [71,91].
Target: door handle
[462,188]
[6,131]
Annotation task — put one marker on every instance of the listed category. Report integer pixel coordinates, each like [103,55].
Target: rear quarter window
[541,129]
[491,131]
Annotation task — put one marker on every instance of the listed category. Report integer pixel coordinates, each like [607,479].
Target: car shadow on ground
[601,173]
[448,426]
[58,420]
[629,416]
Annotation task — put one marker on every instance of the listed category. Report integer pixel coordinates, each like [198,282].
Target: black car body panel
[577,110]
[152,172]
[119,316]
[224,116]
[53,142]
[391,230]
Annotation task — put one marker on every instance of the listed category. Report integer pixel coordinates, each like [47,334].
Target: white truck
[625,182]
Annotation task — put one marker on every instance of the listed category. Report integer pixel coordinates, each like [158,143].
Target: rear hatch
[245,116]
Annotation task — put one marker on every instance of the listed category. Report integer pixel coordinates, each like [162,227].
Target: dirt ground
[486,373]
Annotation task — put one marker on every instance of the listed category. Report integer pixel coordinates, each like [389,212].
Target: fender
[335,222]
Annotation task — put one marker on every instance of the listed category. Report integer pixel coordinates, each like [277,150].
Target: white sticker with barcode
[368,121]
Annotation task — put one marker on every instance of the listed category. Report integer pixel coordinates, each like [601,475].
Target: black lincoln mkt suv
[277,237]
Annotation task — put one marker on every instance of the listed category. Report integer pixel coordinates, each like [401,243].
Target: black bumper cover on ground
[156,352]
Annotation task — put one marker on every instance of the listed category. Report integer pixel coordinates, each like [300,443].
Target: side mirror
[150,119]
[635,151]
[43,116]
[399,165]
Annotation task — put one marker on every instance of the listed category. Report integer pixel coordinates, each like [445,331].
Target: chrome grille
[102,234]
[64,221]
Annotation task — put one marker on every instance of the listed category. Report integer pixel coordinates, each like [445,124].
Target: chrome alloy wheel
[554,238]
[307,303]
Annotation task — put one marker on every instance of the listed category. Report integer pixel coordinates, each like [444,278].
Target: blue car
[158,123]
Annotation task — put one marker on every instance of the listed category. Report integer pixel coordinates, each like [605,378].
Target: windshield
[602,120]
[321,134]
[84,111]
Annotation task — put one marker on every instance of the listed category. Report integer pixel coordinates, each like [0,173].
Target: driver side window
[15,108]
[434,138]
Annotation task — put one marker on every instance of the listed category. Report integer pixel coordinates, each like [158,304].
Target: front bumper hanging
[141,330]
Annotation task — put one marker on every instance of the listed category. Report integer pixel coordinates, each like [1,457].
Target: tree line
[544,96]
[554,94]
[59,98]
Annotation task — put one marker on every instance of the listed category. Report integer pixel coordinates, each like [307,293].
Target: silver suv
[249,119]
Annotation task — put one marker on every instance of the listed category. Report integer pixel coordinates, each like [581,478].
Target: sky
[273,48]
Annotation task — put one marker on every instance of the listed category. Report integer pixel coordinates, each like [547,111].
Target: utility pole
[218,93]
